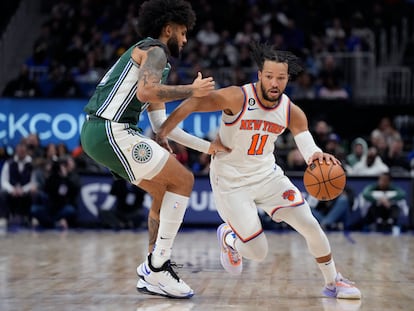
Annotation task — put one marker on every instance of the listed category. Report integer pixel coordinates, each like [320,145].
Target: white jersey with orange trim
[251,135]
[247,179]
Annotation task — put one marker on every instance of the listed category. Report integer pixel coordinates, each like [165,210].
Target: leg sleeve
[301,219]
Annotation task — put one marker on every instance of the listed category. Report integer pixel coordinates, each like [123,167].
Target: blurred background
[357,90]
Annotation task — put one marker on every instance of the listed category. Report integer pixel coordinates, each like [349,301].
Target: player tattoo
[151,73]
[151,70]
[152,230]
[177,92]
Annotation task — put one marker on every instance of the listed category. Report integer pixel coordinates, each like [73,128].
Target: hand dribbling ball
[324,181]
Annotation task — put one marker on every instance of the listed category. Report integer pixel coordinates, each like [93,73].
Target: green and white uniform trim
[115,96]
[111,136]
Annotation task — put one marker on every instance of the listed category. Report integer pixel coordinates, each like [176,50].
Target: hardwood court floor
[95,270]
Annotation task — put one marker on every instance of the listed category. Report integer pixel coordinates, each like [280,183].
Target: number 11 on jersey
[256,147]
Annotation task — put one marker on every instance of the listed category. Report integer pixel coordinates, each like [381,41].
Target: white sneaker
[147,288]
[230,258]
[343,289]
[162,281]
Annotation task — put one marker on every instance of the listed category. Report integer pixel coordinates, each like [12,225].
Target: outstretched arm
[157,115]
[152,64]
[229,99]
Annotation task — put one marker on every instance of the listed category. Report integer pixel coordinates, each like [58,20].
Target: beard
[173,47]
[273,99]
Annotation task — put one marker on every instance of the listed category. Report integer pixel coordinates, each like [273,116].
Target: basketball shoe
[342,288]
[147,288]
[161,281]
[229,257]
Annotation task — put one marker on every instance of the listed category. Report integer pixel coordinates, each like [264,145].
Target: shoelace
[235,257]
[169,268]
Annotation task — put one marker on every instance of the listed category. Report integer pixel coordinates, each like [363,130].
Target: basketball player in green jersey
[247,178]
[110,136]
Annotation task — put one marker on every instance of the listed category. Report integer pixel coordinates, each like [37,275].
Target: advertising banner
[58,121]
[201,210]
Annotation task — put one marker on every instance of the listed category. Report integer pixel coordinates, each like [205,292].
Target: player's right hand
[202,86]
[217,146]
[163,142]
[321,156]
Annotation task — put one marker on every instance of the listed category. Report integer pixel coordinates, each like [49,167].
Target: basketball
[324,181]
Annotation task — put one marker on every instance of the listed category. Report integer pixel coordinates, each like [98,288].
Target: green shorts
[122,149]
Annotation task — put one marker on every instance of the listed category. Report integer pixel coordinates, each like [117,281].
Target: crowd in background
[40,185]
[80,39]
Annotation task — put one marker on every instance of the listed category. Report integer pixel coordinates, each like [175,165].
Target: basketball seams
[329,180]
[326,182]
[317,183]
[313,175]
[335,178]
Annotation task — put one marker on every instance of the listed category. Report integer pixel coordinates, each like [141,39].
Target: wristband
[157,117]
[306,145]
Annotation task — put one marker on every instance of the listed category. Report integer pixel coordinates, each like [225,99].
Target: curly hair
[155,14]
[261,52]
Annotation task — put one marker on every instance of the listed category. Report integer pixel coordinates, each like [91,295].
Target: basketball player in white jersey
[253,116]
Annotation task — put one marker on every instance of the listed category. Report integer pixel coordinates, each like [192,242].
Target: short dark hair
[155,14]
[261,52]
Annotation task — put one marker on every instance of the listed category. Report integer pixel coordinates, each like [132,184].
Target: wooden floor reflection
[95,270]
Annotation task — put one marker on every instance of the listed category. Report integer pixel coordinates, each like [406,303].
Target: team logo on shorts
[142,152]
[289,195]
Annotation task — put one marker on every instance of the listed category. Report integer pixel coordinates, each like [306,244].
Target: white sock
[230,239]
[329,271]
[172,212]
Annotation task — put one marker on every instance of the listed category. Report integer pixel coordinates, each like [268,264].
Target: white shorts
[238,206]
[122,149]
[145,157]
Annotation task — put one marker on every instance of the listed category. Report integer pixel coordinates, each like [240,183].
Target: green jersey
[115,96]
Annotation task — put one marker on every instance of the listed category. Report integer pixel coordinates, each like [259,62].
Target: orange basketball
[324,182]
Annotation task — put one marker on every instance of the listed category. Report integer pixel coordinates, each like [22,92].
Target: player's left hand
[321,156]
[202,86]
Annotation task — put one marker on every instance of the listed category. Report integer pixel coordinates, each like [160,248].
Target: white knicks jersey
[251,135]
